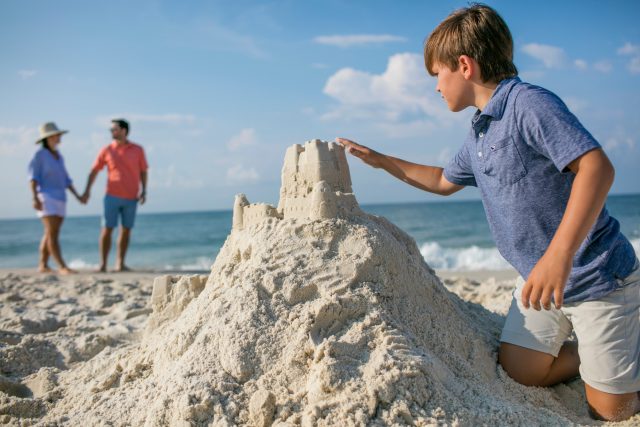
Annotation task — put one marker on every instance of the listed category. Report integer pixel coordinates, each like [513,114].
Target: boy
[543,180]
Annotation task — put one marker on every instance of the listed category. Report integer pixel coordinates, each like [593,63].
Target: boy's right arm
[427,178]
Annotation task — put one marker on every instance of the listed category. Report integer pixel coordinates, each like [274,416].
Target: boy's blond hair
[478,32]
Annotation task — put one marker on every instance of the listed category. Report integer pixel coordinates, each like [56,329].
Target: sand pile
[315,313]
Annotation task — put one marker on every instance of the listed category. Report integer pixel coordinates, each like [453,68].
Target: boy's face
[453,87]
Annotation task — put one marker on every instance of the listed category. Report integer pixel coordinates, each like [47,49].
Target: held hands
[84,198]
[548,278]
[367,155]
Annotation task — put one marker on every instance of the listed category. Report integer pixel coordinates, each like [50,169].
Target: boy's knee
[612,407]
[523,366]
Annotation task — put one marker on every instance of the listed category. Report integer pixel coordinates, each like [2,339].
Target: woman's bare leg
[53,225]
[43,262]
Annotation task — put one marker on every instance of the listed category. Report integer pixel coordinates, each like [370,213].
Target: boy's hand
[367,155]
[547,278]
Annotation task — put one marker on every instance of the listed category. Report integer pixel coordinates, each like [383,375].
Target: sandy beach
[54,325]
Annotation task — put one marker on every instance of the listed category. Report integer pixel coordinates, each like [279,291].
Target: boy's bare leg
[123,244]
[535,368]
[612,407]
[43,263]
[105,246]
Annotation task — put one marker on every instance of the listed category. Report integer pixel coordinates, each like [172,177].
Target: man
[126,170]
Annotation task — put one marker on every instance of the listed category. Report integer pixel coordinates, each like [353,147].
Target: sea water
[451,235]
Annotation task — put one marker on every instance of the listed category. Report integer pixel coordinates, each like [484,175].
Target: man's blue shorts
[117,206]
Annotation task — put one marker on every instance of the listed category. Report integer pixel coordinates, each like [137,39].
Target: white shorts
[51,206]
[608,332]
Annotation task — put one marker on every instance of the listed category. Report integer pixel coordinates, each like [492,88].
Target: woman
[49,181]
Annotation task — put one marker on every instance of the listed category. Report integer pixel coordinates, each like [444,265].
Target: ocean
[451,235]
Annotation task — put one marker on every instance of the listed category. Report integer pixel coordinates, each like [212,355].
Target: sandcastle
[316,184]
[315,313]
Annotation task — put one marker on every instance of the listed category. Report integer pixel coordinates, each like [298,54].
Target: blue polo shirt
[516,153]
[50,174]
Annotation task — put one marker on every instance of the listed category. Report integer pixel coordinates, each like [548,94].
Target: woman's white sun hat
[49,129]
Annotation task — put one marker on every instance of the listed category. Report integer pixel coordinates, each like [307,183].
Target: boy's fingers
[558,296]
[536,292]
[344,141]
[545,300]
[526,291]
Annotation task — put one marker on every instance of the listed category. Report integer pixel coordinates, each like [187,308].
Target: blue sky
[216,91]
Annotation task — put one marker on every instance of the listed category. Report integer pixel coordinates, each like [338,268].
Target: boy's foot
[45,269]
[66,271]
[122,268]
[102,269]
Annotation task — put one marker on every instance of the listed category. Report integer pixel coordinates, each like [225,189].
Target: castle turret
[238,211]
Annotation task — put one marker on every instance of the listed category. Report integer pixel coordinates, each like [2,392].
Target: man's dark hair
[122,123]
[478,32]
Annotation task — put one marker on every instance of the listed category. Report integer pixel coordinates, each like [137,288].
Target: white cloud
[444,156]
[167,119]
[16,140]
[27,74]
[245,138]
[581,64]
[614,143]
[400,101]
[632,50]
[551,56]
[240,174]
[634,65]
[171,177]
[220,37]
[531,75]
[603,66]
[629,49]
[575,104]
[344,41]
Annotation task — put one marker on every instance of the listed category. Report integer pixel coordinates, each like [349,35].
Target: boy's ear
[467,66]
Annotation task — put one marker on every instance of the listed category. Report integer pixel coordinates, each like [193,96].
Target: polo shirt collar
[115,144]
[497,102]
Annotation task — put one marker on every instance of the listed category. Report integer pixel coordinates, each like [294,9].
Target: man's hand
[84,198]
[548,278]
[37,204]
[367,155]
[142,198]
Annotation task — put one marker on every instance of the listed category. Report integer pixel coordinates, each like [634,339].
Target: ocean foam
[462,259]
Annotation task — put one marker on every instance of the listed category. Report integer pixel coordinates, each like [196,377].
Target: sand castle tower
[316,184]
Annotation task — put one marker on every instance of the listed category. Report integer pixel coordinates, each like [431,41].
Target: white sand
[316,315]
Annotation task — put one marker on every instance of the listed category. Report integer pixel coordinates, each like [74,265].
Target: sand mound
[314,313]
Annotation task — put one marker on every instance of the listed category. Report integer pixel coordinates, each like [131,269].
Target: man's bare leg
[105,246]
[535,368]
[123,245]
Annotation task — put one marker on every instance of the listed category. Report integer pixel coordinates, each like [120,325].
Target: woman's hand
[37,204]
